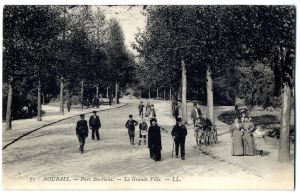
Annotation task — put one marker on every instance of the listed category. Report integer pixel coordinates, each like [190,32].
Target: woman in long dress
[248,139]
[236,130]
[148,108]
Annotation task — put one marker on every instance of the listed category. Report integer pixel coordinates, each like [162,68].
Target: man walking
[130,125]
[154,141]
[196,113]
[141,109]
[82,132]
[179,133]
[95,125]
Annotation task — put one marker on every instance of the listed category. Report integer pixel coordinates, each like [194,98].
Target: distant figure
[95,125]
[130,125]
[176,111]
[110,99]
[236,109]
[152,114]
[154,141]
[141,109]
[143,131]
[82,132]
[196,113]
[69,104]
[237,132]
[148,108]
[25,110]
[87,103]
[96,101]
[179,133]
[248,139]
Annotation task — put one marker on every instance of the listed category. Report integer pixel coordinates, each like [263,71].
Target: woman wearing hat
[237,132]
[154,141]
[248,139]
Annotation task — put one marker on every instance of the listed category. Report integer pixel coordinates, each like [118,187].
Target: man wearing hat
[141,109]
[82,132]
[154,140]
[196,113]
[95,125]
[130,125]
[179,133]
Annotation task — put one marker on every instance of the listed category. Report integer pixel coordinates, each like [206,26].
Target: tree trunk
[97,91]
[164,94]
[9,105]
[184,90]
[81,94]
[170,94]
[284,141]
[157,93]
[210,95]
[117,90]
[149,94]
[61,95]
[43,97]
[107,92]
[39,115]
[140,94]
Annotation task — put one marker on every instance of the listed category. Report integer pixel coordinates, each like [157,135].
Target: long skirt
[249,145]
[237,143]
[155,153]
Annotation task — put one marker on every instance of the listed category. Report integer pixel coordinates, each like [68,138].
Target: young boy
[130,125]
[143,131]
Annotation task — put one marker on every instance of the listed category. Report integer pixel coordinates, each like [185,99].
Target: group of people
[153,132]
[241,132]
[82,129]
[242,136]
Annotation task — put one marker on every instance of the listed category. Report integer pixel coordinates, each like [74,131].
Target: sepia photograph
[148,97]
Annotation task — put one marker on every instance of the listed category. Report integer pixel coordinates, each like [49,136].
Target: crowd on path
[241,131]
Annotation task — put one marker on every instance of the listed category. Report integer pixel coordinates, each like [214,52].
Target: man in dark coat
[82,132]
[69,104]
[141,109]
[179,133]
[130,125]
[154,141]
[95,125]
[196,113]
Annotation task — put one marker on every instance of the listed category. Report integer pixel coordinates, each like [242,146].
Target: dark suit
[95,125]
[130,125]
[179,132]
[82,132]
[154,142]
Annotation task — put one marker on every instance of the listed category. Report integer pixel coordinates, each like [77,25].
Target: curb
[52,123]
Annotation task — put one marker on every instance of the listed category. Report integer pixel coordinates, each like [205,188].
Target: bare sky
[130,18]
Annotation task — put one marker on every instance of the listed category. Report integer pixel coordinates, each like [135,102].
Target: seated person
[206,123]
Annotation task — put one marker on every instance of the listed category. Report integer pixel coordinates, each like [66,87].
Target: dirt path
[53,152]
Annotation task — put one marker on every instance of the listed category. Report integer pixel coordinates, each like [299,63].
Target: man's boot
[140,142]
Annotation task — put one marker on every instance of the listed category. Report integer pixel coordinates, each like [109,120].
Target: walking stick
[173,148]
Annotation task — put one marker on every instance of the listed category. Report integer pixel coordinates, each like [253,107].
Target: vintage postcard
[148,97]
